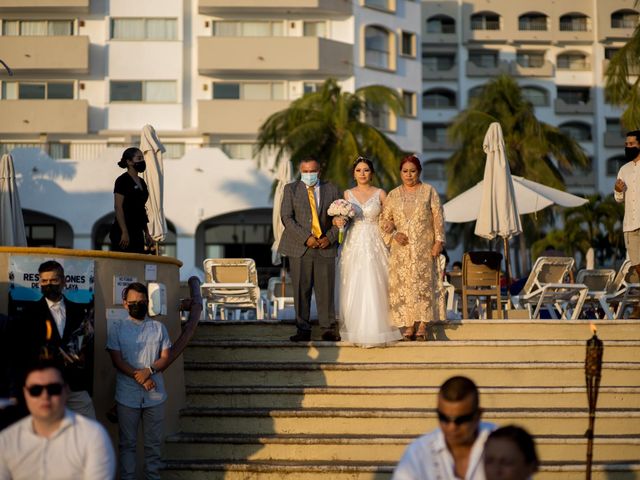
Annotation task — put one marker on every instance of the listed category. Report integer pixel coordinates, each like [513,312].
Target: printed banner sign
[24,277]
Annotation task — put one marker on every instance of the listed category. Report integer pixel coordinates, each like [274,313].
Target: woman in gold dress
[413,224]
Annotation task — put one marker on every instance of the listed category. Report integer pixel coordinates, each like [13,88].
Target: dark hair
[362,160]
[128,154]
[521,438]
[411,159]
[44,364]
[457,263]
[136,287]
[457,389]
[51,266]
[310,158]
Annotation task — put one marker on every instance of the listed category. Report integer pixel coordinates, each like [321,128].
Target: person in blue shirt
[139,349]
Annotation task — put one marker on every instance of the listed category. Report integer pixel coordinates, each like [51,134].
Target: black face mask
[140,166]
[631,153]
[52,292]
[138,310]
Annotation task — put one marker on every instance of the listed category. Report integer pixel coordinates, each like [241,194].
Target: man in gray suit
[310,241]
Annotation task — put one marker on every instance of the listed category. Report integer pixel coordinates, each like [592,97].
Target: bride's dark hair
[362,160]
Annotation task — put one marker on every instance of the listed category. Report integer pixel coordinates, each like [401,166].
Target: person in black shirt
[129,232]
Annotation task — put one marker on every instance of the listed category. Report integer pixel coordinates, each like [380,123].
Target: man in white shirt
[454,450]
[53,442]
[627,190]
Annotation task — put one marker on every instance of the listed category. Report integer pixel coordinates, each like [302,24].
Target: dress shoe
[301,336]
[330,336]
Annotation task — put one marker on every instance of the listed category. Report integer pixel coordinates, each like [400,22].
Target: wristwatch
[152,370]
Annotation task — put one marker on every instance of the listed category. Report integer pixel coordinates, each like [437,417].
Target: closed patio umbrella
[153,149]
[12,233]
[283,177]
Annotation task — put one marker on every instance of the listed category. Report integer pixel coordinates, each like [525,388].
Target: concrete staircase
[261,407]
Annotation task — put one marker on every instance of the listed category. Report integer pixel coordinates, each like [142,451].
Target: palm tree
[535,150]
[618,89]
[331,125]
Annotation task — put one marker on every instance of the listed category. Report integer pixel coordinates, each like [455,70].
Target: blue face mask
[309,179]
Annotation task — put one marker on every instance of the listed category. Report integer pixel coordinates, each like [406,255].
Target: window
[438,62]
[248,91]
[530,58]
[439,98]
[485,21]
[609,52]
[37,90]
[380,4]
[144,29]
[409,103]
[59,150]
[434,133]
[624,19]
[538,97]
[40,235]
[614,164]
[311,87]
[247,29]
[613,126]
[408,45]
[377,47]
[573,61]
[574,22]
[148,91]
[475,92]
[238,151]
[378,117]
[441,24]
[574,95]
[533,22]
[484,58]
[434,170]
[578,131]
[174,150]
[314,29]
[37,28]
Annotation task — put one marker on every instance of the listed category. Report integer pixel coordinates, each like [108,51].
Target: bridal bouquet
[341,208]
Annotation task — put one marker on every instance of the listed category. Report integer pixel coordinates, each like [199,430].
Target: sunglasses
[461,420]
[52,389]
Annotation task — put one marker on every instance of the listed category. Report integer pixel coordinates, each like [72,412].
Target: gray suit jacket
[296,217]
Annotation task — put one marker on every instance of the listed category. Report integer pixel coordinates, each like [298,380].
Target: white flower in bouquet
[341,208]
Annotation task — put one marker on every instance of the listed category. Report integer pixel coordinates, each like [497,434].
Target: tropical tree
[622,83]
[535,150]
[332,125]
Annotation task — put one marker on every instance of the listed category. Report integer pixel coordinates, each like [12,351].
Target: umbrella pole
[507,265]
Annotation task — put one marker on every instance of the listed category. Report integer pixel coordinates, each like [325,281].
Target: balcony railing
[485,25]
[532,26]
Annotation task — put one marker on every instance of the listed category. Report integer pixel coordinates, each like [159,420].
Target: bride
[364,305]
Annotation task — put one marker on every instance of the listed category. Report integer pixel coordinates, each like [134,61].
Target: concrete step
[400,397]
[404,374]
[327,421]
[454,330]
[437,351]
[247,470]
[369,448]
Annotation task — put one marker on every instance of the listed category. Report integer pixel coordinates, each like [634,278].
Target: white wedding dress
[364,279]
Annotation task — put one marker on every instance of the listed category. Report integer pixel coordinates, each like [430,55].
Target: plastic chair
[231,283]
[598,281]
[277,297]
[624,292]
[481,278]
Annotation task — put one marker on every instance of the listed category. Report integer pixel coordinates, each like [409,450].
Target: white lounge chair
[599,282]
[231,283]
[545,287]
[279,295]
[624,292]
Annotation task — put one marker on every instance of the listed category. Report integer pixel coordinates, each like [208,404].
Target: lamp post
[592,372]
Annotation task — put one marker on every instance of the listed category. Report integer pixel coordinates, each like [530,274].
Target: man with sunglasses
[54,441]
[454,450]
